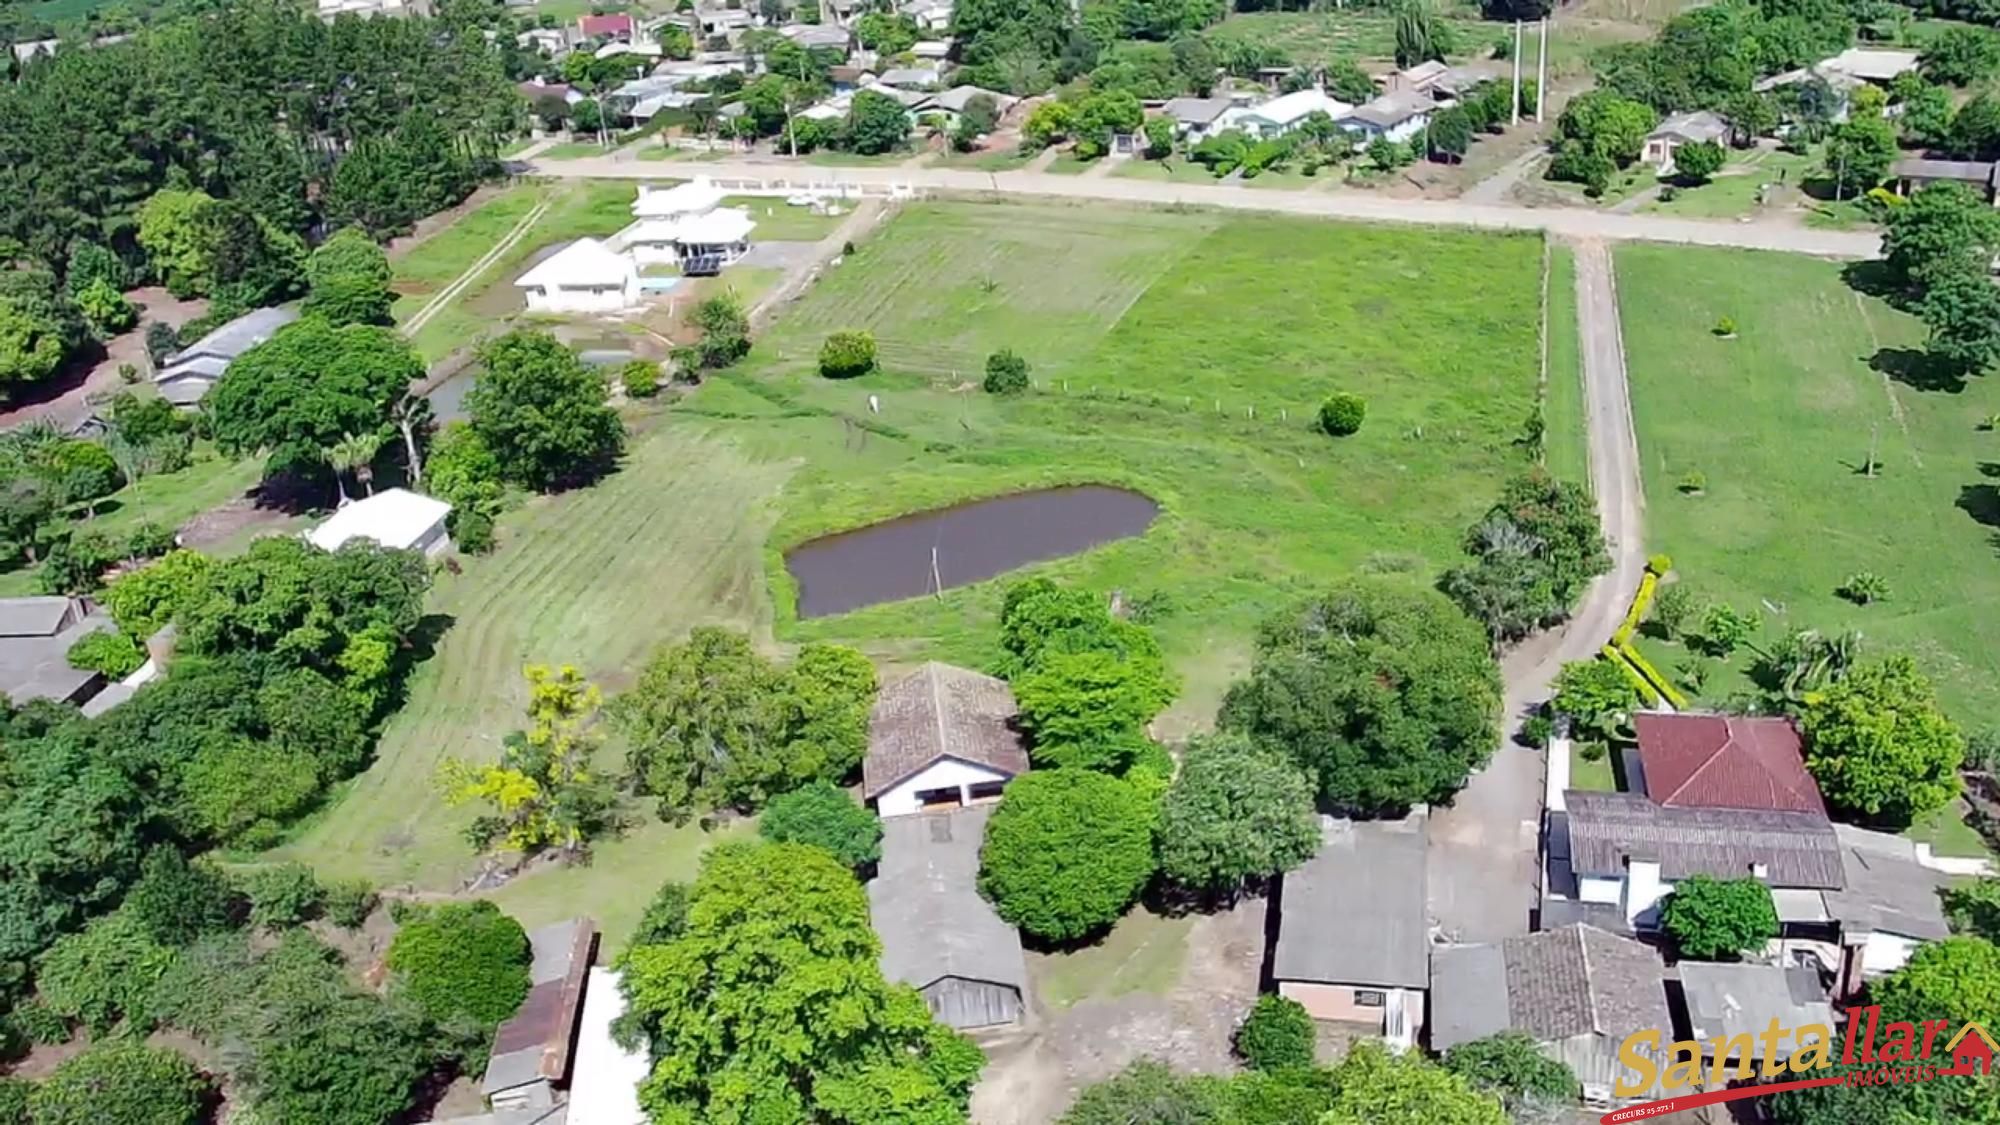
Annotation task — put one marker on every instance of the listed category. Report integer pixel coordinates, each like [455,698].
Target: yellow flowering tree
[543,793]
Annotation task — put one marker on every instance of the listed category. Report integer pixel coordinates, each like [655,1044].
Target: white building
[1283,114]
[395,518]
[1397,116]
[583,277]
[604,1077]
[686,226]
[941,738]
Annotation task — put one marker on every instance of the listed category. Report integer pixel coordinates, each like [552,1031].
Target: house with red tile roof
[1725,762]
[615,26]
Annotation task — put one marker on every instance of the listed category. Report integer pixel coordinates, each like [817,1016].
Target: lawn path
[443,298]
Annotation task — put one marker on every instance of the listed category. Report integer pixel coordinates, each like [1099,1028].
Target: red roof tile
[594,26]
[1725,762]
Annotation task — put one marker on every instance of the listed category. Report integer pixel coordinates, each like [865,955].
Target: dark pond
[890,561]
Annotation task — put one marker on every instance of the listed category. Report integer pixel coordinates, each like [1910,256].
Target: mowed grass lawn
[1780,421]
[1180,354]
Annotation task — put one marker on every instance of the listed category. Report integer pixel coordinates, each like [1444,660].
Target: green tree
[306,387]
[876,123]
[1957,978]
[121,1084]
[1511,1064]
[282,895]
[105,309]
[1235,815]
[32,344]
[1067,851]
[1277,1033]
[83,472]
[725,333]
[1878,744]
[1347,81]
[1088,709]
[462,960]
[666,916]
[542,413]
[1342,412]
[1159,138]
[347,280]
[316,1051]
[1961,56]
[1384,693]
[462,471]
[102,974]
[846,354]
[543,792]
[1375,1087]
[823,815]
[175,901]
[1859,152]
[1450,133]
[1974,907]
[1006,373]
[113,654]
[1719,919]
[1598,697]
[804,1027]
[1421,34]
[1606,125]
[1944,229]
[1962,311]
[174,234]
[1698,161]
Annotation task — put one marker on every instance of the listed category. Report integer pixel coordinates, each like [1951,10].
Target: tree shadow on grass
[1981,502]
[1873,278]
[1916,368]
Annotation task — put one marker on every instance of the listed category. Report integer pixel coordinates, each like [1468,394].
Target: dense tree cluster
[1369,1086]
[1533,553]
[1384,693]
[714,724]
[1709,57]
[1087,682]
[306,389]
[766,1002]
[1937,249]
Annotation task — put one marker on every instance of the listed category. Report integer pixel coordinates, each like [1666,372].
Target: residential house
[1440,83]
[811,35]
[551,41]
[531,1050]
[939,935]
[638,49]
[584,277]
[395,518]
[329,10]
[930,15]
[912,77]
[1886,906]
[1682,129]
[35,639]
[592,29]
[25,53]
[933,51]
[727,24]
[940,738]
[1914,174]
[1578,991]
[1880,67]
[1196,119]
[186,375]
[1416,79]
[1353,940]
[1699,760]
[951,104]
[1732,1004]
[686,226]
[1283,114]
[914,102]
[1397,116]
[604,1077]
[839,13]
[847,79]
[536,91]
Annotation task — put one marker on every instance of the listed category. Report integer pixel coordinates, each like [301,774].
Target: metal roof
[1355,913]
[926,906]
[1742,999]
[1608,829]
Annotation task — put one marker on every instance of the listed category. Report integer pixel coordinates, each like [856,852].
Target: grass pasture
[1780,421]
[1565,438]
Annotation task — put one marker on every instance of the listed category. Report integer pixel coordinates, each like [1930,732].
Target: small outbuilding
[940,738]
[395,518]
[185,376]
[584,277]
[35,638]
[1733,1003]
[1916,173]
[939,935]
[531,1051]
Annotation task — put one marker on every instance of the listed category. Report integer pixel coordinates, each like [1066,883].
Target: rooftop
[35,638]
[583,262]
[1196,111]
[604,1088]
[956,98]
[1884,889]
[693,197]
[1874,65]
[1580,980]
[234,338]
[1391,110]
[396,518]
[534,1043]
[927,908]
[1355,913]
[1742,999]
[1607,829]
[1700,125]
[1296,106]
[1725,761]
[1967,171]
[941,711]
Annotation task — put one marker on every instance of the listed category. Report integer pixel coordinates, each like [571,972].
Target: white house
[1283,114]
[941,738]
[951,104]
[585,276]
[686,226]
[1682,129]
[1196,119]
[395,518]
[1397,116]
[930,15]
[694,197]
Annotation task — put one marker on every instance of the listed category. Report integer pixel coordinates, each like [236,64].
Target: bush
[114,654]
[1863,587]
[349,902]
[666,916]
[1006,373]
[472,531]
[176,902]
[283,895]
[1716,919]
[1726,327]
[1342,412]
[824,816]
[1660,565]
[462,959]
[640,378]
[1724,629]
[1673,609]
[1537,730]
[160,341]
[1693,482]
[121,1084]
[1277,1034]
[128,372]
[1067,851]
[847,354]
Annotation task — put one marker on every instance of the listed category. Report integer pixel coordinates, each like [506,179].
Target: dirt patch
[69,397]
[1034,1073]
[241,516]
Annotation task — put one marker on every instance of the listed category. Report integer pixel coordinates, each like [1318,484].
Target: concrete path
[1484,848]
[1569,222]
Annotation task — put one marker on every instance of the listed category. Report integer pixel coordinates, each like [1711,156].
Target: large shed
[938,935]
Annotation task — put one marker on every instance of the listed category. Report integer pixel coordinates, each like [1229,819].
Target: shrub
[1592,751]
[847,354]
[1067,851]
[1724,629]
[472,531]
[1725,328]
[1714,919]
[114,654]
[121,1084]
[282,895]
[1693,482]
[1342,412]
[462,959]
[824,816]
[641,378]
[349,902]
[1006,373]
[1277,1034]
[1660,565]
[1673,609]
[128,372]
[666,916]
[1863,587]
[160,341]
[1537,730]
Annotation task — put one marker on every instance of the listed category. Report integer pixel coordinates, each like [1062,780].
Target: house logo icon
[1972,1050]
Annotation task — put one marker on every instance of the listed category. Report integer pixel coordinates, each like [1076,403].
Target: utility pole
[1515,118]
[1542,67]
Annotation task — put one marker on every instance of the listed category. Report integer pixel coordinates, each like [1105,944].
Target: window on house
[938,798]
[987,790]
[1370,998]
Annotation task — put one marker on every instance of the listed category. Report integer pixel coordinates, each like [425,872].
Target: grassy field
[1142,953]
[1780,421]
[778,221]
[1594,776]
[1735,191]
[1002,160]
[1359,33]
[1565,448]
[1167,171]
[1257,510]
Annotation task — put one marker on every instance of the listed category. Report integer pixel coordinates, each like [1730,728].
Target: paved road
[1569,222]
[1482,868]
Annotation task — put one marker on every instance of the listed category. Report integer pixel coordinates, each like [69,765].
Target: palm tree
[339,458]
[356,453]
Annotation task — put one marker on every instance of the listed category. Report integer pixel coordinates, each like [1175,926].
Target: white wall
[942,774]
[433,542]
[1885,953]
[1591,888]
[1643,891]
[609,298]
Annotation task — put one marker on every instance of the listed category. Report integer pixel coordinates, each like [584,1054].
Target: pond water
[889,561]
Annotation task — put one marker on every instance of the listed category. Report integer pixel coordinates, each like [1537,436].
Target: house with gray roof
[940,738]
[1577,991]
[531,1051]
[1353,934]
[187,375]
[938,935]
[1397,116]
[1682,129]
[1916,173]
[1734,1001]
[1195,119]
[35,639]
